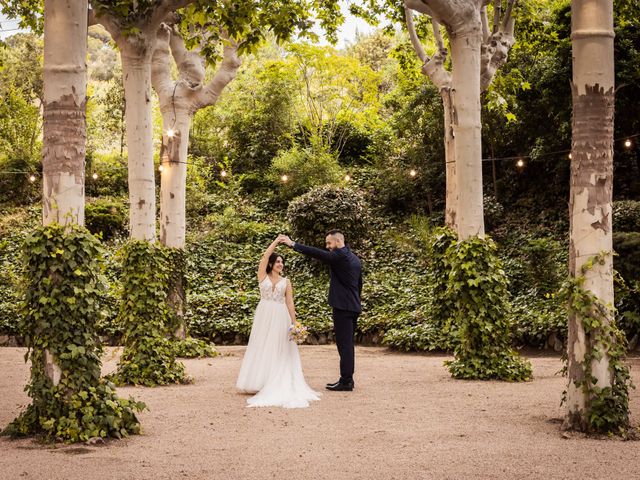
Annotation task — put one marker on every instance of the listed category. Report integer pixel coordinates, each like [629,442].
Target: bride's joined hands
[285,239]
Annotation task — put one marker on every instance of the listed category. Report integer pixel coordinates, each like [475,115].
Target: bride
[271,365]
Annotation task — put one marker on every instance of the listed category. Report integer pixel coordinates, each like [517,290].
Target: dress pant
[344,325]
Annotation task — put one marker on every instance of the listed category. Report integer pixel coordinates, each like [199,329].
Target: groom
[345,289]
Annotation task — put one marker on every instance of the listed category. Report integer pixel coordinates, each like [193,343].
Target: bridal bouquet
[298,333]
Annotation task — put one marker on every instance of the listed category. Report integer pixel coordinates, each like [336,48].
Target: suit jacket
[345,287]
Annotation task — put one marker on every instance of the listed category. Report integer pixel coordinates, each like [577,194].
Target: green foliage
[607,409]
[106,217]
[231,226]
[627,247]
[149,356]
[325,208]
[305,168]
[626,216]
[63,279]
[493,211]
[193,348]
[478,284]
[112,175]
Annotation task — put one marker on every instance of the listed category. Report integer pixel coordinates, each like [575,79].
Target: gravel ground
[407,419]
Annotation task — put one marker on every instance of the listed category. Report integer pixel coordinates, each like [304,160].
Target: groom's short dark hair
[335,232]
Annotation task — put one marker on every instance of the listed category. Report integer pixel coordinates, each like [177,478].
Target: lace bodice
[276,292]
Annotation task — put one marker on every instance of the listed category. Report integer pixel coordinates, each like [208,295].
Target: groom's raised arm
[324,256]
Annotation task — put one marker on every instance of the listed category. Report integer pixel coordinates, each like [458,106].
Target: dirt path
[407,419]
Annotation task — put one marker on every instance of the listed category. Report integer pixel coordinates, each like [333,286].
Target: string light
[627,143]
[347,177]
[284,178]
[520,163]
[170,133]
[223,173]
[570,156]
[413,173]
[32,178]
[160,168]
[95,176]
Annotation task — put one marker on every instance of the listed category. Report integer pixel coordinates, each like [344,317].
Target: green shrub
[107,217]
[329,207]
[478,285]
[421,337]
[112,175]
[305,168]
[493,212]
[536,318]
[626,216]
[627,260]
[231,226]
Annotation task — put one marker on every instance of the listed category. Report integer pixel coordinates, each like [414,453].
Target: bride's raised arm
[264,261]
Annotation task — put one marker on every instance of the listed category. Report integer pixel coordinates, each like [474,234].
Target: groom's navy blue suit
[345,289]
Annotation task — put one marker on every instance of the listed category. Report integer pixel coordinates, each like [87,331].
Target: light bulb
[520,163]
[627,143]
[160,168]
[223,173]
[95,176]
[32,178]
[347,178]
[413,173]
[284,178]
[570,156]
[170,133]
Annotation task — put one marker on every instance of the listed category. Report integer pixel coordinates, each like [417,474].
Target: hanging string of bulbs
[519,162]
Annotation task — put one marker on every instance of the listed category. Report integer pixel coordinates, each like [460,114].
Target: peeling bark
[591,188]
[64,121]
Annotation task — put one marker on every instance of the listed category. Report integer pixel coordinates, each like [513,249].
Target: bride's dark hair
[273,258]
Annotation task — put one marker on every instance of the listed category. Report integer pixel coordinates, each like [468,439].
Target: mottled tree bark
[591,187]
[64,140]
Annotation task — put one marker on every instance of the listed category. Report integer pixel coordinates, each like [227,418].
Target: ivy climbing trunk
[590,198]
[179,101]
[64,122]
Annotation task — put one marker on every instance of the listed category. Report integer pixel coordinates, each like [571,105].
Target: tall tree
[232,28]
[133,26]
[591,370]
[64,106]
[495,43]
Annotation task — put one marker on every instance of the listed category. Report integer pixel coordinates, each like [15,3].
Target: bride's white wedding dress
[271,364]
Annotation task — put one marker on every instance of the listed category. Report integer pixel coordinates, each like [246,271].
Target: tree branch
[161,65]
[413,35]
[226,73]
[485,23]
[190,64]
[495,51]
[162,11]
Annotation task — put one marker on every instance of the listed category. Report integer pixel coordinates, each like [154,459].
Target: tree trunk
[173,158]
[466,127]
[136,71]
[591,187]
[64,124]
[451,197]
[65,94]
